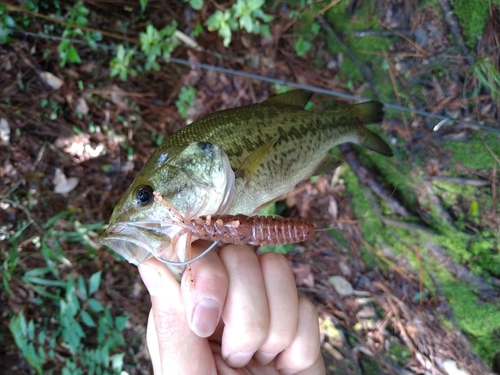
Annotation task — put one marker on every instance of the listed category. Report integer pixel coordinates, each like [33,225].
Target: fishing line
[188,262]
[193,64]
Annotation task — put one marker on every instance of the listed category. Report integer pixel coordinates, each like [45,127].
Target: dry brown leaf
[62,184]
[51,80]
[4,132]
[82,106]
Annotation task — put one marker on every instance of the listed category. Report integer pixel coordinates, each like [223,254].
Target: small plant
[77,18]
[244,14]
[71,320]
[155,43]
[488,76]
[308,29]
[120,64]
[6,24]
[76,310]
[185,101]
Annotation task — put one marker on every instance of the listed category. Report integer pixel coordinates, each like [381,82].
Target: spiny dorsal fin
[298,98]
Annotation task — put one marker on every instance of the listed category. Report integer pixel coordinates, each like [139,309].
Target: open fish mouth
[139,241]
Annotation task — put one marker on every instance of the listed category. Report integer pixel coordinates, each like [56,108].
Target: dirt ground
[98,132]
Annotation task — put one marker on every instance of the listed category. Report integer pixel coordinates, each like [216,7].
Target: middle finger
[245,314]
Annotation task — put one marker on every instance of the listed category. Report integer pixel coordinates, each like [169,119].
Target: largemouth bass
[234,162]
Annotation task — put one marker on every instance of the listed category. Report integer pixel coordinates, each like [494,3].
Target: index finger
[171,342]
[204,288]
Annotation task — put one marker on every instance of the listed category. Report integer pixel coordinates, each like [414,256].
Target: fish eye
[143,195]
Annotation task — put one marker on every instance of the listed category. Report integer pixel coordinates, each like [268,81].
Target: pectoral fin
[297,98]
[329,163]
[254,160]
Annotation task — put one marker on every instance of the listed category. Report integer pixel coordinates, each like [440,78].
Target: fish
[234,162]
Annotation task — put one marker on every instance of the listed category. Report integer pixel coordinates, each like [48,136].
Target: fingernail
[205,317]
[151,278]
[264,358]
[239,359]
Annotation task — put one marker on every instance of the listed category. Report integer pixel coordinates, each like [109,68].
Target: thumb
[173,347]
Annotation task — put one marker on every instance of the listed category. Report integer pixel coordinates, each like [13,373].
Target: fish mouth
[137,242]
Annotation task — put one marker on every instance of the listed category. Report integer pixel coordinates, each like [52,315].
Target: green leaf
[41,337]
[42,281]
[31,330]
[198,29]
[58,216]
[225,33]
[81,21]
[117,362]
[95,305]
[255,4]
[265,30]
[2,8]
[120,322]
[9,21]
[213,22]
[120,52]
[82,288]
[196,4]
[4,35]
[41,354]
[143,5]
[94,282]
[87,319]
[474,208]
[302,46]
[246,22]
[73,56]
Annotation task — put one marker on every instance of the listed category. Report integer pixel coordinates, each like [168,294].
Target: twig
[414,44]
[367,178]
[461,181]
[396,92]
[396,223]
[436,202]
[365,71]
[484,290]
[67,24]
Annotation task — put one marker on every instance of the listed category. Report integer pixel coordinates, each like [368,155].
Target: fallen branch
[484,290]
[368,178]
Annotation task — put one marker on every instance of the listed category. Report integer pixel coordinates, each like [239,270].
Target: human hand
[235,313]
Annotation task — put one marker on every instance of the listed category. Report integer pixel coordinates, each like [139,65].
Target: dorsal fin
[298,98]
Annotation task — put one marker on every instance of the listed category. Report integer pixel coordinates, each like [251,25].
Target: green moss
[473,154]
[477,319]
[396,172]
[480,253]
[399,354]
[367,49]
[472,16]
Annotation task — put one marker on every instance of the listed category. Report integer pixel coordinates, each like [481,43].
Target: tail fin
[369,113]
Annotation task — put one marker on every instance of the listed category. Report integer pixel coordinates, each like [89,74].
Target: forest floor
[413,241]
